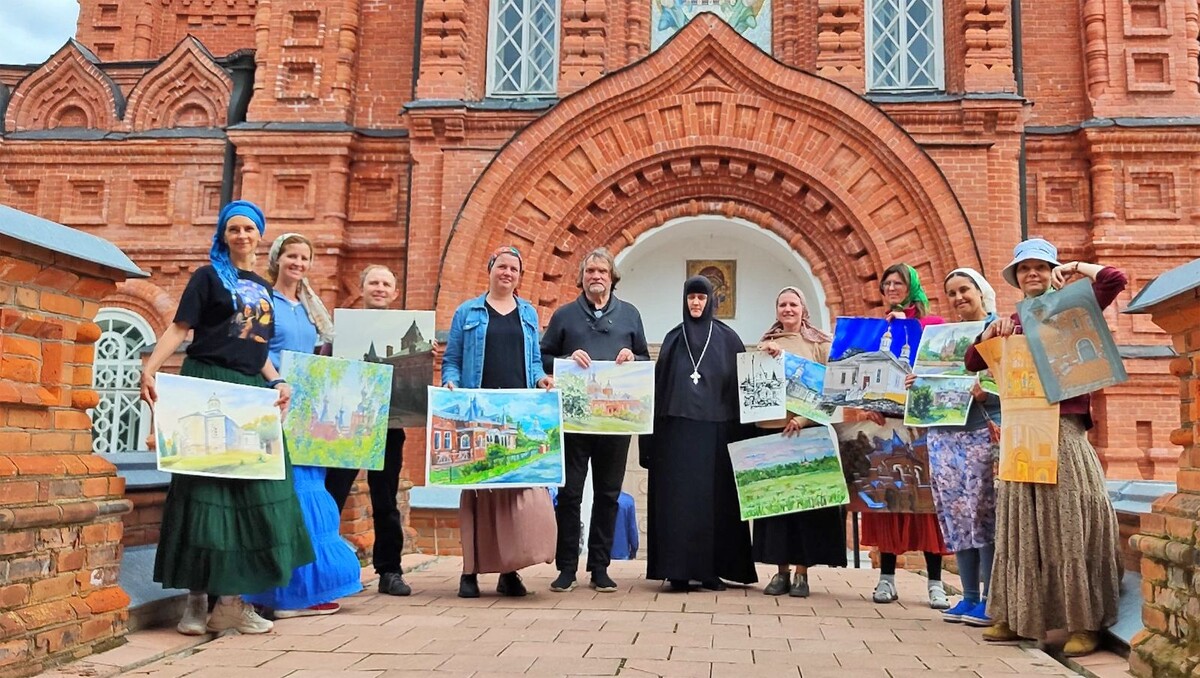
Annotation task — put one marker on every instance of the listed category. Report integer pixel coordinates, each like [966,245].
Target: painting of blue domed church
[338,417]
[213,428]
[487,439]
[868,361]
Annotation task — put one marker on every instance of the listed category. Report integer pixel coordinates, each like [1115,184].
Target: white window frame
[526,63]
[112,441]
[939,49]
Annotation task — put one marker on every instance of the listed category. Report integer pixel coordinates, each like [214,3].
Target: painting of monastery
[762,390]
[1072,347]
[887,467]
[804,381]
[606,398]
[1028,423]
[213,428]
[402,339]
[488,439]
[937,400]
[338,416]
[943,348]
[777,475]
[751,18]
[868,361]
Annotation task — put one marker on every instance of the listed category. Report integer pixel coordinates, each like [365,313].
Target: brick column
[60,505]
[1169,645]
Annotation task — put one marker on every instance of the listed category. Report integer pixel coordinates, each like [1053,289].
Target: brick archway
[709,124]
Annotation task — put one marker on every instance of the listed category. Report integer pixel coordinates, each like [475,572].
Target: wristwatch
[275,382]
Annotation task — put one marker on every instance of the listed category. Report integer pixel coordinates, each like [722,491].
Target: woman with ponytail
[225,537]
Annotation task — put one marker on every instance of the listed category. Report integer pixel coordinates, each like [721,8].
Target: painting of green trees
[606,398]
[338,415]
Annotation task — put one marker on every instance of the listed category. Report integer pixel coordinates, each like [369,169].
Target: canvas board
[868,361]
[402,339]
[217,429]
[939,400]
[1028,423]
[762,389]
[494,438]
[1072,347]
[943,348]
[887,467]
[606,398]
[338,416]
[805,379]
[776,475]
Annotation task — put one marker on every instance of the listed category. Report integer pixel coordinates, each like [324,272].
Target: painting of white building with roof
[869,369]
[481,438]
[211,428]
[606,398]
[401,339]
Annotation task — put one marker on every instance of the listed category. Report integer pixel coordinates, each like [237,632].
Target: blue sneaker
[955,614]
[978,616]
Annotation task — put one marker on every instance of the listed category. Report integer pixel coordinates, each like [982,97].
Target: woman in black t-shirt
[221,536]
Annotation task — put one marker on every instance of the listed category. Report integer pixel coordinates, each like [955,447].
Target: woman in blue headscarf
[220,536]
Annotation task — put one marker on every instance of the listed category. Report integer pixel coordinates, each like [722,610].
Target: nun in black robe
[695,531]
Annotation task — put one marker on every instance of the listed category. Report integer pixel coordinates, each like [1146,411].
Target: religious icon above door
[722,273]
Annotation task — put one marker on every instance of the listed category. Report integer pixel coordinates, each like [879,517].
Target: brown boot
[1000,632]
[1082,643]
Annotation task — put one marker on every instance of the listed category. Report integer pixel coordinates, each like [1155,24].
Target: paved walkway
[638,631]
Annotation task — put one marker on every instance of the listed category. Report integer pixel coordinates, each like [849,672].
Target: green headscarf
[916,293]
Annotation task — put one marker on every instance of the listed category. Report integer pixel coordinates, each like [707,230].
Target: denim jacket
[462,365]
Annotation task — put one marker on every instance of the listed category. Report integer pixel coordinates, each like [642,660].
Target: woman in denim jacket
[494,343]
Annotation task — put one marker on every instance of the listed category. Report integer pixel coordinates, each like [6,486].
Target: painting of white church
[867,370]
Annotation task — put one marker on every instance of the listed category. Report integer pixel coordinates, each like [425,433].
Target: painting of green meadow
[777,475]
[338,417]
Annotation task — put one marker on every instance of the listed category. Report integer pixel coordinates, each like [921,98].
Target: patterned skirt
[1057,564]
[964,487]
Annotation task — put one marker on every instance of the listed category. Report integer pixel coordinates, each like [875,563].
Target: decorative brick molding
[60,506]
[69,90]
[188,89]
[989,57]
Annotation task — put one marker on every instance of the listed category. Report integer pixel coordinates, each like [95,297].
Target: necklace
[695,375]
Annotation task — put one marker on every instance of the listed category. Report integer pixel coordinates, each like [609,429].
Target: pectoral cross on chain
[695,377]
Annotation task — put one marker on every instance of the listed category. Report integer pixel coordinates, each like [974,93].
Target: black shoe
[510,585]
[468,586]
[564,583]
[713,585]
[602,582]
[393,584]
[679,585]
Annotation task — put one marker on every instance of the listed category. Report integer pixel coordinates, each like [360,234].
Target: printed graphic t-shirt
[236,338]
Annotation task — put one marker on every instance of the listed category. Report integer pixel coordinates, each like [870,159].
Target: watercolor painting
[338,417]
[762,390]
[488,439]
[606,398]
[887,467]
[1072,347]
[943,348]
[402,339]
[1028,422]
[938,400]
[777,475]
[722,273]
[805,378]
[750,18]
[868,361]
[213,428]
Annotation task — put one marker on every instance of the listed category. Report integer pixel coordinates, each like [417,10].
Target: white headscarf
[985,289]
[308,297]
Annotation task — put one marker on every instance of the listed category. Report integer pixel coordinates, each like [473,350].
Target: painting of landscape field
[489,439]
[606,398]
[338,416]
[213,428]
[936,400]
[777,475]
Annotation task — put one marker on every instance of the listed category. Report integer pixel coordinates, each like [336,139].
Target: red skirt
[903,532]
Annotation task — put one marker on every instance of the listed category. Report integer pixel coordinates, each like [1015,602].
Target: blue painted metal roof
[66,240]
[1174,282]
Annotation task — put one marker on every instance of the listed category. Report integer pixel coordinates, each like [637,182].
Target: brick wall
[143,522]
[60,506]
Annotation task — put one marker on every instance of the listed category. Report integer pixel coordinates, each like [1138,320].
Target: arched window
[121,420]
[904,45]
[523,48]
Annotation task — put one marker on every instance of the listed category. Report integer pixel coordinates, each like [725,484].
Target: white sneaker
[195,614]
[885,592]
[937,596]
[239,616]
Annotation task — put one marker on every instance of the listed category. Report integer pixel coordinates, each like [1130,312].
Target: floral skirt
[964,489]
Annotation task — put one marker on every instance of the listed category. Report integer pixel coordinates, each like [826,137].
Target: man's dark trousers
[384,484]
[607,455]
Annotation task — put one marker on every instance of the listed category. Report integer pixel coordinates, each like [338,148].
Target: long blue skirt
[336,572]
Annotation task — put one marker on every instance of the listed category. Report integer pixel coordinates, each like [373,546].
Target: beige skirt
[506,530]
[1057,565]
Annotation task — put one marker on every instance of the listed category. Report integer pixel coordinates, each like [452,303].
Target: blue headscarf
[219,253]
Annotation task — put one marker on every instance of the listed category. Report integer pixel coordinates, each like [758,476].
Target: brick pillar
[60,505]
[1169,645]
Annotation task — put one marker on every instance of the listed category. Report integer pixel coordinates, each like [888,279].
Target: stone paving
[641,630]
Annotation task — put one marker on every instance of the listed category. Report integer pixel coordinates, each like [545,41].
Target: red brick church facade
[383,131]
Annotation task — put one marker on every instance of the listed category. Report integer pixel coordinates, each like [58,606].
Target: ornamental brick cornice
[1140,140]
[710,120]
[456,124]
[967,116]
[69,90]
[188,89]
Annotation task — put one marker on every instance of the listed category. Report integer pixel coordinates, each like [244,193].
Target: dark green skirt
[229,537]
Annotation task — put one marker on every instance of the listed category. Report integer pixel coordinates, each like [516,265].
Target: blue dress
[336,572]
